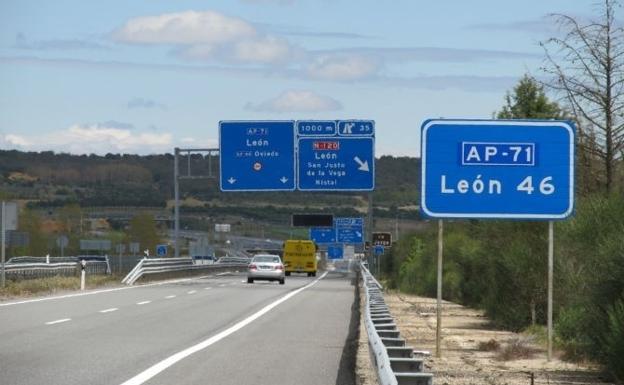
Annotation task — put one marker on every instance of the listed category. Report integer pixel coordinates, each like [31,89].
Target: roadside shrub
[515,349]
[488,346]
[614,340]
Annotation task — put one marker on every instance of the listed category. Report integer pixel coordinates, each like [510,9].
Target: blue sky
[147,76]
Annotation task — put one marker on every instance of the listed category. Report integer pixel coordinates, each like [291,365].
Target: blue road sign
[161,250]
[335,252]
[356,127]
[257,155]
[497,169]
[378,250]
[323,235]
[316,127]
[336,163]
[349,230]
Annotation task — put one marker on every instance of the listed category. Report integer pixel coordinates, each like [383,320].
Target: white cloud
[190,27]
[297,101]
[92,138]
[207,36]
[343,68]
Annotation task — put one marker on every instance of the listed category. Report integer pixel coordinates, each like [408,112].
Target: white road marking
[192,292]
[58,321]
[222,285]
[104,291]
[170,296]
[143,302]
[109,310]
[171,360]
[207,288]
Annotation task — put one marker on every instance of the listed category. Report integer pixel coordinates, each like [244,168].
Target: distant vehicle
[265,267]
[300,257]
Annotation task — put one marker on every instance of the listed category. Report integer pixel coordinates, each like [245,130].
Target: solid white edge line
[109,310]
[171,360]
[58,321]
[143,302]
[104,291]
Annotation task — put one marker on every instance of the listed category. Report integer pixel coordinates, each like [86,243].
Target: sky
[145,76]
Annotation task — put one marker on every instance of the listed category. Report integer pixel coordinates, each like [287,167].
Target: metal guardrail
[394,362]
[42,269]
[168,265]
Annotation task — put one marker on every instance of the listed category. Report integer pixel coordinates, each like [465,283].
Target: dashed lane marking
[109,310]
[58,321]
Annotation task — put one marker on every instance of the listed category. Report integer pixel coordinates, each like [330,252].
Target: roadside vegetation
[53,285]
[501,266]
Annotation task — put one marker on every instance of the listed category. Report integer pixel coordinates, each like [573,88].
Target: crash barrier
[168,265]
[39,267]
[395,363]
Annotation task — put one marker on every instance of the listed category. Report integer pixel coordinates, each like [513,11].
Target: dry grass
[488,346]
[51,285]
[515,349]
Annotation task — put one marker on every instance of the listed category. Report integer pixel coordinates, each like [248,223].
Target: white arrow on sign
[358,234]
[231,180]
[363,165]
[284,179]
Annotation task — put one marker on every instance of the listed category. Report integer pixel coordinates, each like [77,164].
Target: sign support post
[439,300]
[550,286]
[3,279]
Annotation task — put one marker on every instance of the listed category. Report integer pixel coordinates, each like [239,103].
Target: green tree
[528,101]
[30,223]
[143,229]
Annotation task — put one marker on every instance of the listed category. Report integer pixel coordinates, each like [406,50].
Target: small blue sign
[335,252]
[257,155]
[349,230]
[356,128]
[161,250]
[378,250]
[323,235]
[336,163]
[497,169]
[316,127]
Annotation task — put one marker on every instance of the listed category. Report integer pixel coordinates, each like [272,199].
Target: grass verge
[51,285]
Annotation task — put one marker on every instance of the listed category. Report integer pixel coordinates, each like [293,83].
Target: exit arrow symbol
[284,179]
[231,180]
[363,165]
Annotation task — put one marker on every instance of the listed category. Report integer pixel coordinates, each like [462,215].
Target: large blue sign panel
[336,163]
[497,169]
[257,155]
[323,235]
[349,230]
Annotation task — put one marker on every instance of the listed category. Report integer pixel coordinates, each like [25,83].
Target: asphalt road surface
[215,330]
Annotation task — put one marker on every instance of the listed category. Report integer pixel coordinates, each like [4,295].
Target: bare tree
[586,66]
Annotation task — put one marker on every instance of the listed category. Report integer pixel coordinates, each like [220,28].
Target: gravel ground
[463,362]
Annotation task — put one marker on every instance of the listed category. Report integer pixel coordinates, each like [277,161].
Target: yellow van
[300,257]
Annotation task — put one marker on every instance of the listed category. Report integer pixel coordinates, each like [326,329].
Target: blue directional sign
[349,230]
[335,252]
[257,155]
[316,127]
[356,127]
[497,169]
[323,235]
[336,163]
[378,250]
[161,250]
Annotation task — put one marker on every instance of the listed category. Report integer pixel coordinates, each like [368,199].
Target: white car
[266,267]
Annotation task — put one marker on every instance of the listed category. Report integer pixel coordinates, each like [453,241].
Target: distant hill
[53,180]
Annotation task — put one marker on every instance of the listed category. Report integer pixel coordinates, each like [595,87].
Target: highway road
[211,330]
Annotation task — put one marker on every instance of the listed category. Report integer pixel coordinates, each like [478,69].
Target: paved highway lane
[111,337]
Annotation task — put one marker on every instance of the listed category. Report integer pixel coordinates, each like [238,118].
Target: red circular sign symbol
[257,166]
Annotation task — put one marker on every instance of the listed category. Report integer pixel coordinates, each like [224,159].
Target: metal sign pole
[3,279]
[551,242]
[439,300]
[176,214]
